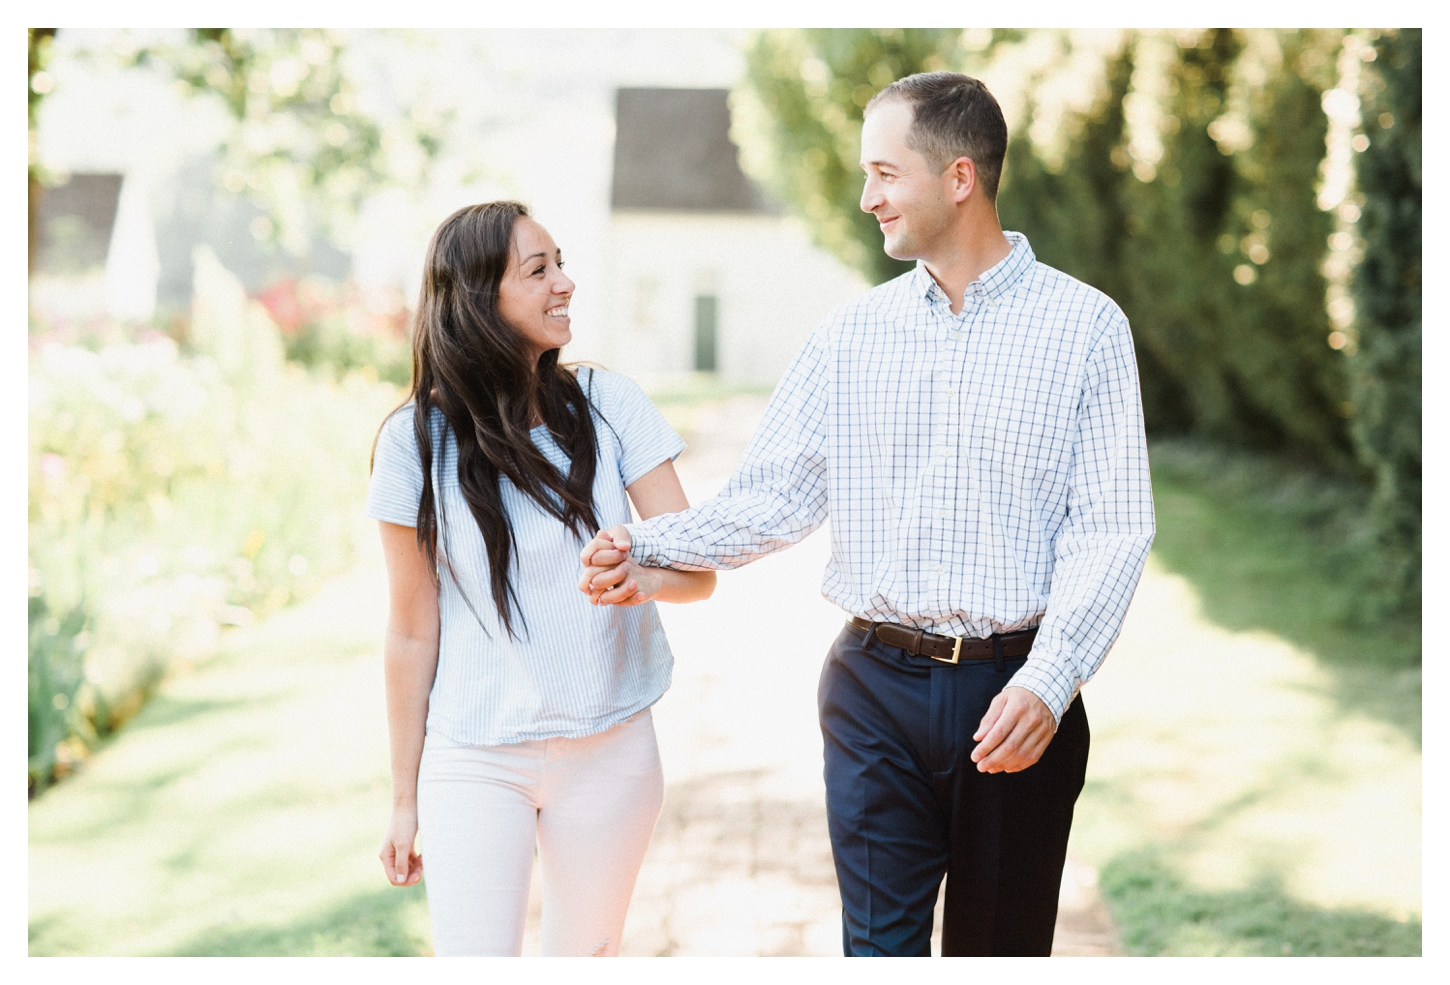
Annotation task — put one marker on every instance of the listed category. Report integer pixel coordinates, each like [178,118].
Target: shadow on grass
[371,924]
[1158,913]
[132,799]
[1274,547]
[163,710]
[48,937]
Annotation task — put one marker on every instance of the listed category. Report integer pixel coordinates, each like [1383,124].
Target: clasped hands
[1012,735]
[611,576]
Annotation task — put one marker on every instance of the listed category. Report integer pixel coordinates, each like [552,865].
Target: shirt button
[941,569]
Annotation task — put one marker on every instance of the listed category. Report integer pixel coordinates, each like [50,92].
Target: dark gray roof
[672,151]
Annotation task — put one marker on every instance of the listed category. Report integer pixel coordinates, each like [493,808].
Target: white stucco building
[707,274]
[616,139]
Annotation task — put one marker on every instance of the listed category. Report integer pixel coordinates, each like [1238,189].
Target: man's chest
[994,395]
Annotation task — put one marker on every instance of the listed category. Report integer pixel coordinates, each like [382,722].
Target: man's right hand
[606,572]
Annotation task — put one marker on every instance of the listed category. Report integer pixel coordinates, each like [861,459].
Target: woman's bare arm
[657,491]
[410,660]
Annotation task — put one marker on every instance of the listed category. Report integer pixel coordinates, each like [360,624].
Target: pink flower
[52,466]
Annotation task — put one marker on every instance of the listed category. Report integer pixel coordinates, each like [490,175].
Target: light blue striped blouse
[576,669]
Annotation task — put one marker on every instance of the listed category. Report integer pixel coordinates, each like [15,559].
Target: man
[973,430]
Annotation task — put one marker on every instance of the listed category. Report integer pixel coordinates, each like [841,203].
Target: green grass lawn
[240,812]
[1261,796]
[1272,547]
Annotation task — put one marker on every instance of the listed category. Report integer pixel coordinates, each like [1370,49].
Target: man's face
[906,194]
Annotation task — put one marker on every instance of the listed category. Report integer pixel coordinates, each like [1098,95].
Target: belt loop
[998,663]
[916,644]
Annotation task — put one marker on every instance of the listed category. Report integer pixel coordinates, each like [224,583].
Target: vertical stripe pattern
[576,669]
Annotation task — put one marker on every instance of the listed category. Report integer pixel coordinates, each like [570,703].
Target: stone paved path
[740,863]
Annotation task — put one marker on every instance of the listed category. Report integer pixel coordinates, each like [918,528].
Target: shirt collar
[994,283]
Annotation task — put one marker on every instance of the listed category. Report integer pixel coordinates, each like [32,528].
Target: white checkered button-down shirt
[983,472]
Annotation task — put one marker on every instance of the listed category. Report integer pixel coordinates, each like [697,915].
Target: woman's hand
[401,862]
[625,583]
[612,577]
[630,583]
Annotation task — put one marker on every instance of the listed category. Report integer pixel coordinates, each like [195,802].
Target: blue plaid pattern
[983,472]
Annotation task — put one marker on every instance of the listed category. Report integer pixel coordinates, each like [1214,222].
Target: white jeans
[591,805]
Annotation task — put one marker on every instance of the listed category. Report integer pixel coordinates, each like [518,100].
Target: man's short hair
[953,116]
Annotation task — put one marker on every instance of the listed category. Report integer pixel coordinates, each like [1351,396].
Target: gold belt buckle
[956,652]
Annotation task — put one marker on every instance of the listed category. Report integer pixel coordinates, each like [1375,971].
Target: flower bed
[171,496]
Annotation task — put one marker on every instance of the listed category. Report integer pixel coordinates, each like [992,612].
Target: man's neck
[965,258]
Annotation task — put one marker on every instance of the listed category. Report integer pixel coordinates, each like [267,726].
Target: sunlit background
[226,236]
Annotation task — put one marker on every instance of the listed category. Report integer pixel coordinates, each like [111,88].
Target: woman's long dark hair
[473,365]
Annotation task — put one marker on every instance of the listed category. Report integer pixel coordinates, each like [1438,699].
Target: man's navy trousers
[907,806]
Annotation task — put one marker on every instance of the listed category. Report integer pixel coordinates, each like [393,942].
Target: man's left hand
[1014,732]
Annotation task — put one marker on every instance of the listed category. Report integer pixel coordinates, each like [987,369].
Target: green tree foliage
[1387,285]
[38,84]
[1079,217]
[806,91]
[1214,249]
[1276,345]
[304,149]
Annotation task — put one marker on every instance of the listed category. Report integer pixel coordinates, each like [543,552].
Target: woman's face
[534,294]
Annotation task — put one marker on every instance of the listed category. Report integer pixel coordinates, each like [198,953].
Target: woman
[518,713]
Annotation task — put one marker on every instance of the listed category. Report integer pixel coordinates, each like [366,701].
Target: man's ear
[963,174]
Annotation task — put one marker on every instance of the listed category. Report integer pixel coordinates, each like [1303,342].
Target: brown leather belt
[948,649]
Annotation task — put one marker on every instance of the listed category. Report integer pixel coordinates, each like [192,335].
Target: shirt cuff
[1048,676]
[645,546]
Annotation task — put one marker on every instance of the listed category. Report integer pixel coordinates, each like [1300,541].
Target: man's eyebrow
[879,164]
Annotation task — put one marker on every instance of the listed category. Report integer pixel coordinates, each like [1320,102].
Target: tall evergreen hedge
[1387,285]
[807,90]
[1244,363]
[1215,250]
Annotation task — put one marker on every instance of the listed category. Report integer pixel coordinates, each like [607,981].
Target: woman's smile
[534,294]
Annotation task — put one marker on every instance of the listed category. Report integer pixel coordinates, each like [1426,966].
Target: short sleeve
[645,437]
[396,485]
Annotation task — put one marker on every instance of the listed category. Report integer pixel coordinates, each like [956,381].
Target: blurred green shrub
[1212,247]
[172,496]
[798,123]
[334,327]
[1387,290]
[305,148]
